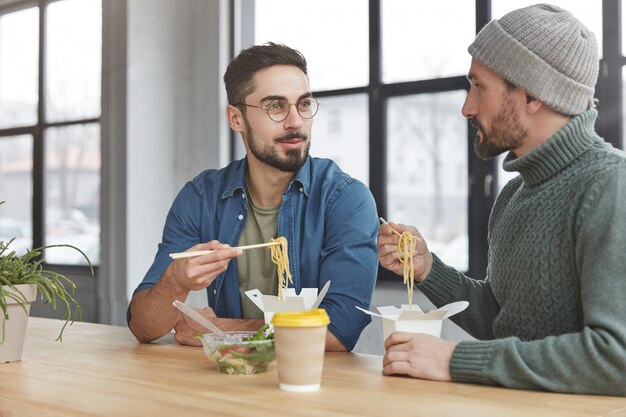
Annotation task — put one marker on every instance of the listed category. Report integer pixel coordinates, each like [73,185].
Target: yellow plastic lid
[311,318]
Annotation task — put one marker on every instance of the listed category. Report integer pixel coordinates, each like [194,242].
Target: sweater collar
[564,147]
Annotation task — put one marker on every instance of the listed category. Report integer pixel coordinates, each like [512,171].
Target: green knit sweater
[551,313]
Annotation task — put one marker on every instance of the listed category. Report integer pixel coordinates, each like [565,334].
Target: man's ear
[532,104]
[235,118]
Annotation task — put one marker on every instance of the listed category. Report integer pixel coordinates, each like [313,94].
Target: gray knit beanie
[544,50]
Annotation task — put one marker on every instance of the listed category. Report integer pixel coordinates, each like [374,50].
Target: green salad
[248,355]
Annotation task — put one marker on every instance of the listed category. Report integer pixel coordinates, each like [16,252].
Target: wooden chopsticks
[189,254]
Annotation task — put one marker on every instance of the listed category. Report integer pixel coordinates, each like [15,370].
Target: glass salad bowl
[241,353]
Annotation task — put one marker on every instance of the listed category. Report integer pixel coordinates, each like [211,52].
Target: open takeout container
[308,299]
[413,320]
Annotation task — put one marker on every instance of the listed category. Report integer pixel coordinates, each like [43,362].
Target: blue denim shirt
[328,218]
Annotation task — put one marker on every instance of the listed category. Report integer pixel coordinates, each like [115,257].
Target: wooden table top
[101,370]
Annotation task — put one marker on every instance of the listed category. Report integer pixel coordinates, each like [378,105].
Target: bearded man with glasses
[328,217]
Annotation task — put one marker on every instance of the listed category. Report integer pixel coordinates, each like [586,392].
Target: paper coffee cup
[300,340]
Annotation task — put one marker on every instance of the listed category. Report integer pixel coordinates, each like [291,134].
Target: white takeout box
[403,319]
[270,304]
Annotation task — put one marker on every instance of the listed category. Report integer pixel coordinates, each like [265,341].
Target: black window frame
[482,175]
[37,131]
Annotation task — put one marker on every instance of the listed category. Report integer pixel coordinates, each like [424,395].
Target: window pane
[332,35]
[16,190]
[340,132]
[72,197]
[418,42]
[19,55]
[73,72]
[587,11]
[427,171]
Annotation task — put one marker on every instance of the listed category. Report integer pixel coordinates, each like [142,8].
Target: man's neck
[544,125]
[266,184]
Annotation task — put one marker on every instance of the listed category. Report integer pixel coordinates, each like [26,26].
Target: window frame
[37,132]
[482,175]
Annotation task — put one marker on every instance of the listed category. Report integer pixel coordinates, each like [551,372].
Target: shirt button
[214,292]
[301,189]
[243,195]
[240,217]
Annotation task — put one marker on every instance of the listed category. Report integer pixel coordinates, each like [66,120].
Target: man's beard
[506,133]
[294,159]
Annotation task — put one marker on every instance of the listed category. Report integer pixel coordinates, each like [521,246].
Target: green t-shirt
[255,267]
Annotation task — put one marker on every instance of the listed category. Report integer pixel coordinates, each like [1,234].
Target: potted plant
[22,277]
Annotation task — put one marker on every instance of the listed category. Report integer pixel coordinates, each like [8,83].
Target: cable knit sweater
[551,313]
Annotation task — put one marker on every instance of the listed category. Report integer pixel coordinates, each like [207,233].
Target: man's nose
[469,108]
[293,120]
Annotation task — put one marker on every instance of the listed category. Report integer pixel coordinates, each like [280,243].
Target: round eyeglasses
[278,110]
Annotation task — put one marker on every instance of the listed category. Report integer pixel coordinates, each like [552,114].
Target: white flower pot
[15,330]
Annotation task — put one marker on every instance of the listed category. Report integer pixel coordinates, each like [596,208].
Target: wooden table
[101,370]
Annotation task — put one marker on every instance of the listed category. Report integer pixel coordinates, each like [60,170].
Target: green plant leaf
[52,287]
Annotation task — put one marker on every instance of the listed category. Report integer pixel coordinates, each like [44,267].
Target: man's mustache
[292,135]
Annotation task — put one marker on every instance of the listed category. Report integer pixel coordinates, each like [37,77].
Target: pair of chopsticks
[189,254]
[383,221]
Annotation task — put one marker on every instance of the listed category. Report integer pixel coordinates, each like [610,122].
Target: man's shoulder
[327,171]
[333,186]
[603,159]
[217,177]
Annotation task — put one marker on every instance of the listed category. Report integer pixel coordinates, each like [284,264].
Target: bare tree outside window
[70,131]
[73,82]
[427,170]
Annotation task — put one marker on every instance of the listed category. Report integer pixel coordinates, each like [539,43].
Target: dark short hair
[241,70]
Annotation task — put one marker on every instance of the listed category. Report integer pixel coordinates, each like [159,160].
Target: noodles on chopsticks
[406,250]
[281,259]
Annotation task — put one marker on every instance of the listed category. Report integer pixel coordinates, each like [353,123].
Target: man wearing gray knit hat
[548,314]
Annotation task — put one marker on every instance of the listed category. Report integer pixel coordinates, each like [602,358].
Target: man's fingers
[187,340]
[397,368]
[208,312]
[396,356]
[397,339]
[185,333]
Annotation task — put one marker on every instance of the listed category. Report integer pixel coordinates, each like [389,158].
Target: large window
[50,83]
[385,117]
[414,34]
[427,170]
[391,78]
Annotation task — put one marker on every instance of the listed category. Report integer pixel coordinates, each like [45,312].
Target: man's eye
[275,106]
[304,104]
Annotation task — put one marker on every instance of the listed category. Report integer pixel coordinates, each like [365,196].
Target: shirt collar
[236,180]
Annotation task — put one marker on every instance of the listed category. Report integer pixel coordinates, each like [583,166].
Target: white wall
[177,53]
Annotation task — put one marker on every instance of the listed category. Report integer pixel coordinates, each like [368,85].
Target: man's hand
[187,329]
[388,251]
[198,272]
[418,355]
[152,313]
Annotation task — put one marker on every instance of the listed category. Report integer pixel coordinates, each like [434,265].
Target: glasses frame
[267,109]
